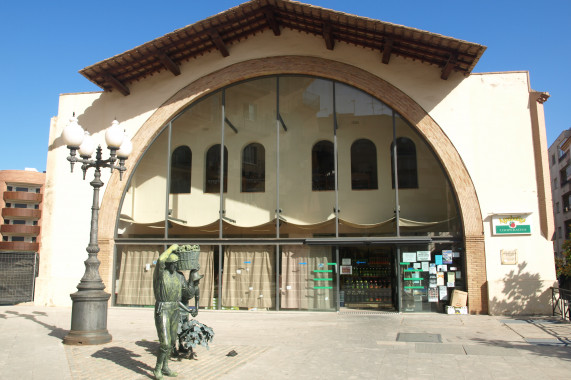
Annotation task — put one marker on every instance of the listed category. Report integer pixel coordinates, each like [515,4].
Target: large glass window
[305,161]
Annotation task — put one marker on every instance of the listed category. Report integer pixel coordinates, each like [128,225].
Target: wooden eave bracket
[387,50]
[449,66]
[218,42]
[168,63]
[542,97]
[116,84]
[272,21]
[328,36]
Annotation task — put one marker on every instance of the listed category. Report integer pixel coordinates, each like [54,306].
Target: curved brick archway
[368,82]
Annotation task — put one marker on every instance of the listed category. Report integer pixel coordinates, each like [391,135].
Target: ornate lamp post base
[88,318]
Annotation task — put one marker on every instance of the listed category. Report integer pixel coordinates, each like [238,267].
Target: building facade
[321,160]
[20,231]
[560,170]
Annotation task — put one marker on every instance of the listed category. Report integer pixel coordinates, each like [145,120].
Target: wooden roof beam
[387,50]
[218,42]
[116,84]
[328,36]
[168,63]
[272,21]
[449,66]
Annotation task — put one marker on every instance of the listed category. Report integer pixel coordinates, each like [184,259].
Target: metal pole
[396,175]
[89,310]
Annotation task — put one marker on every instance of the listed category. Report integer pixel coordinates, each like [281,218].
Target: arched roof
[219,32]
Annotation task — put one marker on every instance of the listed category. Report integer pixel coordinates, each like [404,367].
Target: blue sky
[45,44]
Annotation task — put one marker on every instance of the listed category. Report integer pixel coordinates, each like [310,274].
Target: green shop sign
[511,225]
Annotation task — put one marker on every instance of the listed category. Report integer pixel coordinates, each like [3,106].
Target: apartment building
[20,231]
[560,170]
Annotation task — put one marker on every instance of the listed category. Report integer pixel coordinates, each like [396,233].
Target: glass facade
[299,210]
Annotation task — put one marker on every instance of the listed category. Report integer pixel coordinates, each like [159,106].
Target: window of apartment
[4,238]
[363,165]
[406,164]
[19,222]
[566,198]
[213,169]
[254,168]
[567,229]
[555,183]
[6,221]
[559,233]
[552,159]
[24,189]
[35,223]
[20,205]
[9,188]
[33,239]
[557,208]
[181,169]
[322,166]
[18,238]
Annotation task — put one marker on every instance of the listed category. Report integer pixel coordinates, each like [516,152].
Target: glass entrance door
[368,278]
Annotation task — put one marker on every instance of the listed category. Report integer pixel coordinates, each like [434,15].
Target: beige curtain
[135,279]
[303,288]
[206,261]
[249,277]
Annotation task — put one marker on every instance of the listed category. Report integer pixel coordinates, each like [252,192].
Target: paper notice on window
[440,278]
[443,293]
[409,257]
[433,294]
[425,266]
[423,255]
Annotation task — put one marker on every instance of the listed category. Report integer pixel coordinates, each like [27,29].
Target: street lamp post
[89,310]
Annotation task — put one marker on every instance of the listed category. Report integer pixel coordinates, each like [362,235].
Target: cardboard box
[456,310]
[459,298]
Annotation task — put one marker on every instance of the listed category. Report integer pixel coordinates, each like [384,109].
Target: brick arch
[452,163]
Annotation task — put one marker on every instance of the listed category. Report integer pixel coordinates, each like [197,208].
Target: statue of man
[168,292]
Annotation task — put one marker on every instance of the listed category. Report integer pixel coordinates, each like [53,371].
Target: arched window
[323,166]
[254,168]
[363,165]
[213,169]
[406,164]
[181,168]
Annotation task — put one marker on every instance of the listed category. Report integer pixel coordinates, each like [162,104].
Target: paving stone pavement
[286,345]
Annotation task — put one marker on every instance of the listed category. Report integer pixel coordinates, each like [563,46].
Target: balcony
[21,246]
[21,196]
[19,229]
[22,213]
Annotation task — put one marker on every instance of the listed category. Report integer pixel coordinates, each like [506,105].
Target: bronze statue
[172,294]
[168,292]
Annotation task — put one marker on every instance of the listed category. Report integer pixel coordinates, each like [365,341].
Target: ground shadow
[125,358]
[560,351]
[524,294]
[150,347]
[55,331]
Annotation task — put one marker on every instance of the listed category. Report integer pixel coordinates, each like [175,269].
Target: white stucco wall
[486,116]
